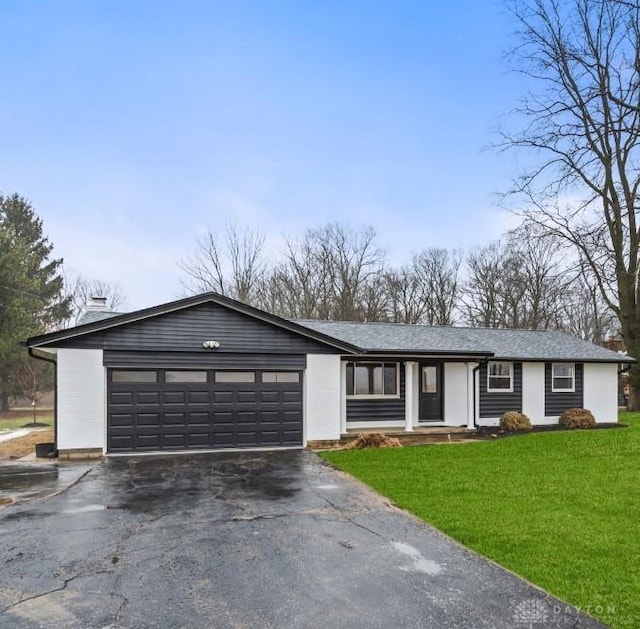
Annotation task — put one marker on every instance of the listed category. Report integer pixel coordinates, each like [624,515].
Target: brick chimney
[98,304]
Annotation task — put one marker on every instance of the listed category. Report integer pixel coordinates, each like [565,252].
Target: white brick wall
[82,412]
[322,403]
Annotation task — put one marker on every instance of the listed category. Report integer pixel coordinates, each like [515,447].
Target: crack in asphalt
[63,587]
[346,513]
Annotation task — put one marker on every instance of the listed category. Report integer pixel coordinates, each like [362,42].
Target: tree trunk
[631,337]
[634,388]
[4,399]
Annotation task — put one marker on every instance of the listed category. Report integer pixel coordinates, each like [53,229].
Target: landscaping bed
[483,432]
[560,508]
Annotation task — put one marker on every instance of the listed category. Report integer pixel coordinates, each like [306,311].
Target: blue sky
[134,126]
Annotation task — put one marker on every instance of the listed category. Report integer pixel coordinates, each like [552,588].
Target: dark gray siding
[113,358]
[557,403]
[495,404]
[185,330]
[380,409]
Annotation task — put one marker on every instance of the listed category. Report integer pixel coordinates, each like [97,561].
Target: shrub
[577,418]
[373,440]
[514,420]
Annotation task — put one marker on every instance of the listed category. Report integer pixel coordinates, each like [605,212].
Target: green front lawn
[14,419]
[561,509]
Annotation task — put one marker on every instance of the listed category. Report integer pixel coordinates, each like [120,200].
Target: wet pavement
[21,482]
[275,539]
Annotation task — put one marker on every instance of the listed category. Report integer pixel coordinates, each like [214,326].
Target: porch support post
[410,399]
[471,389]
[343,397]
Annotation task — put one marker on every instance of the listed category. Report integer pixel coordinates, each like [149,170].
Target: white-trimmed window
[500,377]
[563,377]
[373,379]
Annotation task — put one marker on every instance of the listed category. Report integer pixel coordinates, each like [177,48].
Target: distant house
[615,343]
[208,372]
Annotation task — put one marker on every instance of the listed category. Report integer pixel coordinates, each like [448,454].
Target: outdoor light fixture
[210,344]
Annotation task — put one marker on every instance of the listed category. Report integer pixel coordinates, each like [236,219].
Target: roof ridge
[429,325]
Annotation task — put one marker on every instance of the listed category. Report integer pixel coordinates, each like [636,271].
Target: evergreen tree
[31,300]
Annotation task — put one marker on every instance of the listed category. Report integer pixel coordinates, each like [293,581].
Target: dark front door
[430,392]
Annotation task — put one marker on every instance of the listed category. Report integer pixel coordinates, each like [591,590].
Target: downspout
[55,396]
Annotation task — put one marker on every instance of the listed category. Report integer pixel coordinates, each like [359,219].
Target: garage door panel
[221,439]
[148,419]
[246,417]
[248,438]
[207,414]
[246,397]
[198,397]
[149,442]
[270,437]
[121,419]
[174,397]
[174,418]
[199,440]
[177,440]
[122,442]
[195,419]
[147,397]
[123,397]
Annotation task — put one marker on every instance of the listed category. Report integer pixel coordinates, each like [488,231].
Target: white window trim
[573,378]
[511,376]
[374,396]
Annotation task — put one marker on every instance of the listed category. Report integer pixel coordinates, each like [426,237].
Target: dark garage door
[170,409]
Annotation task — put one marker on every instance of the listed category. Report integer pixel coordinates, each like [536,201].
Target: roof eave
[565,359]
[423,352]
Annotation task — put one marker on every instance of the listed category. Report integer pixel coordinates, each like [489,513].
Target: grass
[561,509]
[10,420]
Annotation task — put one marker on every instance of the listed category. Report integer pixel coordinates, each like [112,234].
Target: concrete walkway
[14,434]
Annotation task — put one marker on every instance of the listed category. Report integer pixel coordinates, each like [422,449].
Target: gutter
[55,396]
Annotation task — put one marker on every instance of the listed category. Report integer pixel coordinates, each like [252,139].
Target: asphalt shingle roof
[415,339]
[507,344]
[91,316]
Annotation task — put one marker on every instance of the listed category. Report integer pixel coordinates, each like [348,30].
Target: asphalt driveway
[273,539]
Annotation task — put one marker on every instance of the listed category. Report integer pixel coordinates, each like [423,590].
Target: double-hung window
[563,377]
[500,377]
[372,379]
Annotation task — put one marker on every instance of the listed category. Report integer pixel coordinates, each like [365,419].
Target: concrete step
[436,434]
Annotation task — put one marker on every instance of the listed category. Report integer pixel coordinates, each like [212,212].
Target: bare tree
[537,279]
[582,127]
[405,300]
[518,283]
[34,378]
[484,287]
[585,314]
[80,290]
[234,267]
[332,272]
[353,262]
[437,272]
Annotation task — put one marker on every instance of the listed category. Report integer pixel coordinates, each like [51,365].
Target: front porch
[418,436]
[397,396]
